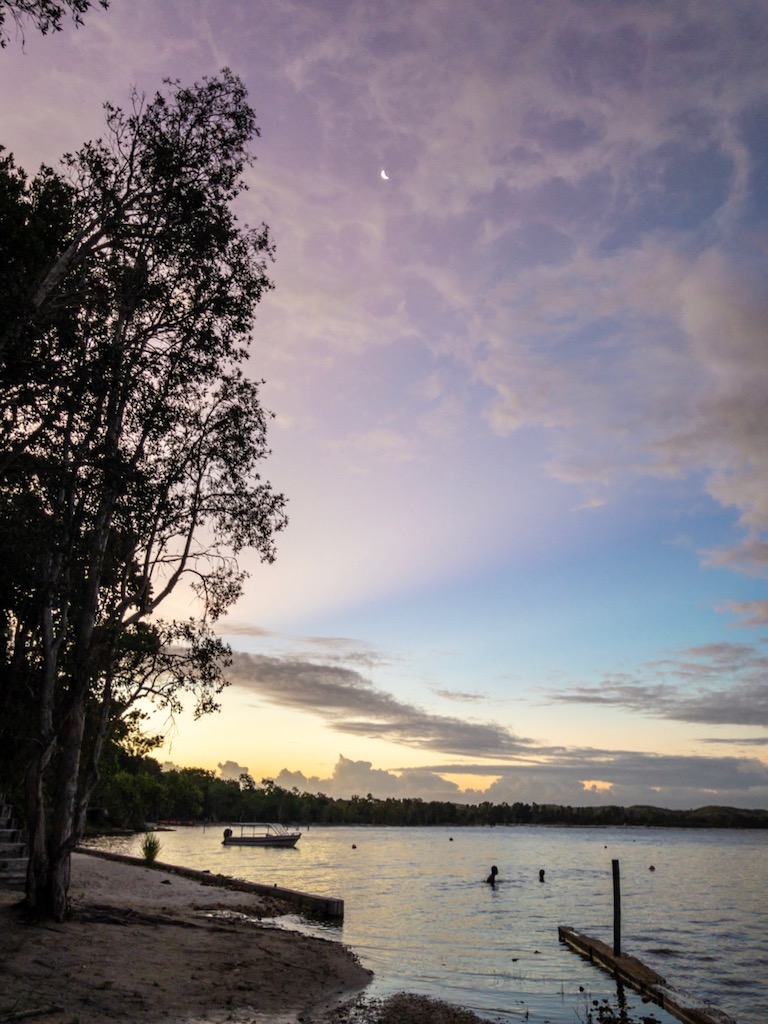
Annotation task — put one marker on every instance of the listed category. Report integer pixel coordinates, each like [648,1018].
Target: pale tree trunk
[37,863]
[37,823]
[89,774]
[49,871]
[53,842]
[55,836]
[64,835]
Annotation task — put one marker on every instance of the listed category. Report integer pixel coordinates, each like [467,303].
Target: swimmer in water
[491,879]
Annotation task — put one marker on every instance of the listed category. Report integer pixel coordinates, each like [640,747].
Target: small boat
[258,833]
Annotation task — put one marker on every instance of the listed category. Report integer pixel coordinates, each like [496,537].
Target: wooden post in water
[616,909]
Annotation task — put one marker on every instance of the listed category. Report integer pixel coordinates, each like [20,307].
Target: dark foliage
[138,791]
[44,15]
[131,440]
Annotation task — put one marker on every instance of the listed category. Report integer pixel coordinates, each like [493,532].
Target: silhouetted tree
[44,15]
[130,438]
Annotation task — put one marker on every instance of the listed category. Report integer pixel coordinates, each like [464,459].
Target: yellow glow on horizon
[265,739]
[465,782]
[599,785]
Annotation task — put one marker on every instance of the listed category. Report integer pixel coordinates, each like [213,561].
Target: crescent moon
[385,176]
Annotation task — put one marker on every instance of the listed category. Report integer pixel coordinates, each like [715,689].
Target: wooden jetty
[317,906]
[647,982]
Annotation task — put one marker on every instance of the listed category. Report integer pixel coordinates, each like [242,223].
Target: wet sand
[143,945]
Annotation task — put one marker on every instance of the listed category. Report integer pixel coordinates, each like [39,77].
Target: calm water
[418,913]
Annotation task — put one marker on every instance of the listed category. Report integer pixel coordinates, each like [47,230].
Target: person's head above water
[491,879]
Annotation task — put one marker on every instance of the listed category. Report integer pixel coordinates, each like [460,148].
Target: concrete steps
[13,850]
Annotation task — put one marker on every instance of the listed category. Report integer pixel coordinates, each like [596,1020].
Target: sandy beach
[145,945]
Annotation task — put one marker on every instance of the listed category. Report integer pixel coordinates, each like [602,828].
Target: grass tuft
[150,847]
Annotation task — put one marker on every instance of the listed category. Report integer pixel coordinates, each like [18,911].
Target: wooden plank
[643,979]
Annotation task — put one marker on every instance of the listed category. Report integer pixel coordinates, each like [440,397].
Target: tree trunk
[52,841]
[57,890]
[37,864]
[64,835]
[37,822]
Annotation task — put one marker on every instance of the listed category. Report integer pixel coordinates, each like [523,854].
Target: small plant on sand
[150,847]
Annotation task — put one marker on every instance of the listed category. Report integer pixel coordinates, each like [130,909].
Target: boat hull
[260,834]
[285,841]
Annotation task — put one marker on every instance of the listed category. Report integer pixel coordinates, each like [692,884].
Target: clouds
[606,161]
[568,240]
[560,290]
[579,779]
[625,778]
[752,613]
[520,387]
[350,704]
[716,684]
[357,778]
[664,189]
[231,770]
[525,769]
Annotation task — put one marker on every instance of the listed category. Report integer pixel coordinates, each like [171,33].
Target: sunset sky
[520,385]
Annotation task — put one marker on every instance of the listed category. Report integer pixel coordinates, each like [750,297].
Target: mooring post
[616,909]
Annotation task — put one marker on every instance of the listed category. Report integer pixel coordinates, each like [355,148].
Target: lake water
[419,914]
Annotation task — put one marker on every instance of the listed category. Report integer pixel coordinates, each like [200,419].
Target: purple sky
[520,385]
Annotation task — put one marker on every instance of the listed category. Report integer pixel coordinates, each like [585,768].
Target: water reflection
[419,913]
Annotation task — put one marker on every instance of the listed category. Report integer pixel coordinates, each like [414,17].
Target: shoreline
[324,907]
[145,945]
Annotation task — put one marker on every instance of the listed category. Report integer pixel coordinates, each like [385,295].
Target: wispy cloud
[750,613]
[718,684]
[247,629]
[349,703]
[457,695]
[557,302]
[736,741]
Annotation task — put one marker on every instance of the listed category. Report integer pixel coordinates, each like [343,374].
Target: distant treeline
[135,793]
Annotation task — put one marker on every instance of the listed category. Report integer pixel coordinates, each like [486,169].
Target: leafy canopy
[131,434]
[44,15]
